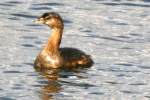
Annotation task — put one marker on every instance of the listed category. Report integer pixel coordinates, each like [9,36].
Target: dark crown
[49,15]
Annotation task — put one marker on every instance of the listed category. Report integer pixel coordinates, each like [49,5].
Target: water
[115,33]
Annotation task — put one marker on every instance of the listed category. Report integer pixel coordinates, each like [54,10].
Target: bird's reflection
[54,85]
[49,90]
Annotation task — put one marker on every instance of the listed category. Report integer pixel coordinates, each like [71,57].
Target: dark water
[115,33]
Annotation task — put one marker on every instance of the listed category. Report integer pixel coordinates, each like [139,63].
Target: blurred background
[114,32]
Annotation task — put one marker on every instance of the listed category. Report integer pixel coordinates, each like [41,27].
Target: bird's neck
[54,40]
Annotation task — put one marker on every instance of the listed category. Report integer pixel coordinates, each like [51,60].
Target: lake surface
[115,33]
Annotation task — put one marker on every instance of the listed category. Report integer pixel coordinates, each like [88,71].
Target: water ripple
[33,25]
[130,92]
[29,37]
[14,2]
[6,98]
[97,93]
[123,37]
[30,64]
[23,15]
[125,64]
[113,39]
[144,67]
[48,4]
[85,85]
[66,21]
[38,42]
[9,5]
[138,84]
[126,4]
[104,37]
[123,75]
[12,72]
[147,96]
[28,45]
[136,34]
[40,8]
[122,70]
[113,82]
[13,18]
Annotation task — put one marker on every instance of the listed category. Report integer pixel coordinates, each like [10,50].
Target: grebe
[51,55]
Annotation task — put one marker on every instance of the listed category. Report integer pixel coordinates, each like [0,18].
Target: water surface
[115,33]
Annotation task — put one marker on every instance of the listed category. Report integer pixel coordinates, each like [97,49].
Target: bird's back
[75,58]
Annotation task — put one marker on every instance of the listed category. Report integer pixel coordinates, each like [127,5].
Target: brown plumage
[51,55]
